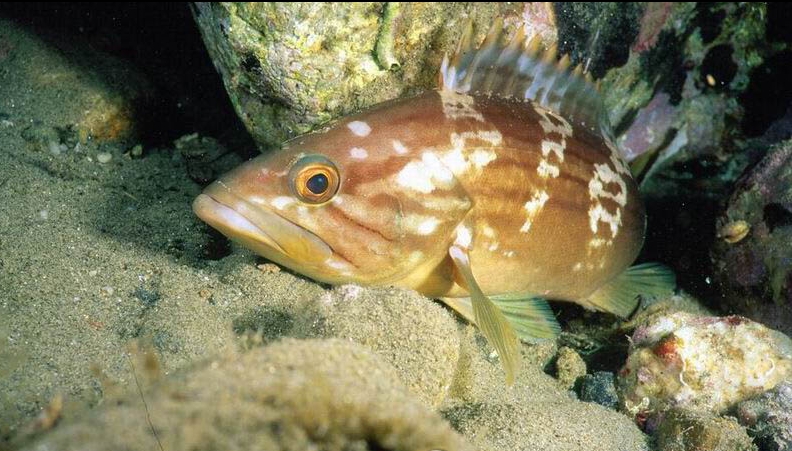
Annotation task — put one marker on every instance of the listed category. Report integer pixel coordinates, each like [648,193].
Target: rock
[652,310]
[704,364]
[688,111]
[296,394]
[768,418]
[600,388]
[693,87]
[289,67]
[752,257]
[101,94]
[690,431]
[416,335]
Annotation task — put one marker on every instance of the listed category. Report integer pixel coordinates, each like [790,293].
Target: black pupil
[317,184]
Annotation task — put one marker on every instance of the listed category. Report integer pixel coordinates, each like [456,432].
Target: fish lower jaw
[267,234]
[231,223]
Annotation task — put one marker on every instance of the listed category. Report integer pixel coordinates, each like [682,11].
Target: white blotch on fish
[358,153]
[359,128]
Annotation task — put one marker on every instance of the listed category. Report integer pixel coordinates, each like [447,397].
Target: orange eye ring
[314,179]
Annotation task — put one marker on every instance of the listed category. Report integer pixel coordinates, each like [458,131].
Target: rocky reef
[753,257]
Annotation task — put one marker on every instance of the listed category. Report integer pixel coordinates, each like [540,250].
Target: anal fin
[620,295]
[488,317]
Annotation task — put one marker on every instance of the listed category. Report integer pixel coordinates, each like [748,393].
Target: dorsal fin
[520,69]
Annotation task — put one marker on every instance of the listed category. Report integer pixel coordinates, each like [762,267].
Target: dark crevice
[768,95]
[776,215]
[718,68]
[710,19]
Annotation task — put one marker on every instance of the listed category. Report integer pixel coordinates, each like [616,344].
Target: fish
[495,192]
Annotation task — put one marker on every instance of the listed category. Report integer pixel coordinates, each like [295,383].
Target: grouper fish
[498,190]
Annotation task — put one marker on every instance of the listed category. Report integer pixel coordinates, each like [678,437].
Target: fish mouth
[260,229]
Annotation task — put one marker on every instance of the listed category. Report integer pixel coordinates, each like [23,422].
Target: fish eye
[314,179]
[317,184]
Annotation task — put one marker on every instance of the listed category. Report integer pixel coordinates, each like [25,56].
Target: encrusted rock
[289,67]
[756,269]
[705,364]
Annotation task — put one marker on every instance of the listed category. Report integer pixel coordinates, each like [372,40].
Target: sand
[108,297]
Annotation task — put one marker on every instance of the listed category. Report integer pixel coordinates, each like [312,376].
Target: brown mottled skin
[371,232]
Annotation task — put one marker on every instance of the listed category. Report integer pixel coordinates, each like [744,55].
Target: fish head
[341,206]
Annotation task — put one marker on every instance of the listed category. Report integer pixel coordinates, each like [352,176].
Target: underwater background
[126,322]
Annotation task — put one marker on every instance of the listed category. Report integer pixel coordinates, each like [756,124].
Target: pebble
[54,147]
[104,157]
[600,388]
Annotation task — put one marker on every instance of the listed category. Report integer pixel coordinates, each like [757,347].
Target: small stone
[54,147]
[600,388]
[268,268]
[104,157]
[569,367]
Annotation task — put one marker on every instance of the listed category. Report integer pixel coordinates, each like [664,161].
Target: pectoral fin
[620,295]
[488,317]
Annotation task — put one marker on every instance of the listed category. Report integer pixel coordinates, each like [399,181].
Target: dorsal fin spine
[519,69]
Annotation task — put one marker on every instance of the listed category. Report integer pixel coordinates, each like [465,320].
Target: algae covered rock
[291,66]
[703,364]
[753,257]
[293,395]
[673,98]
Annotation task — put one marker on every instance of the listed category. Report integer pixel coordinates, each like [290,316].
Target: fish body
[489,200]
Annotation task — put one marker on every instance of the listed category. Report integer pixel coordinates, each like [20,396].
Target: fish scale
[498,190]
